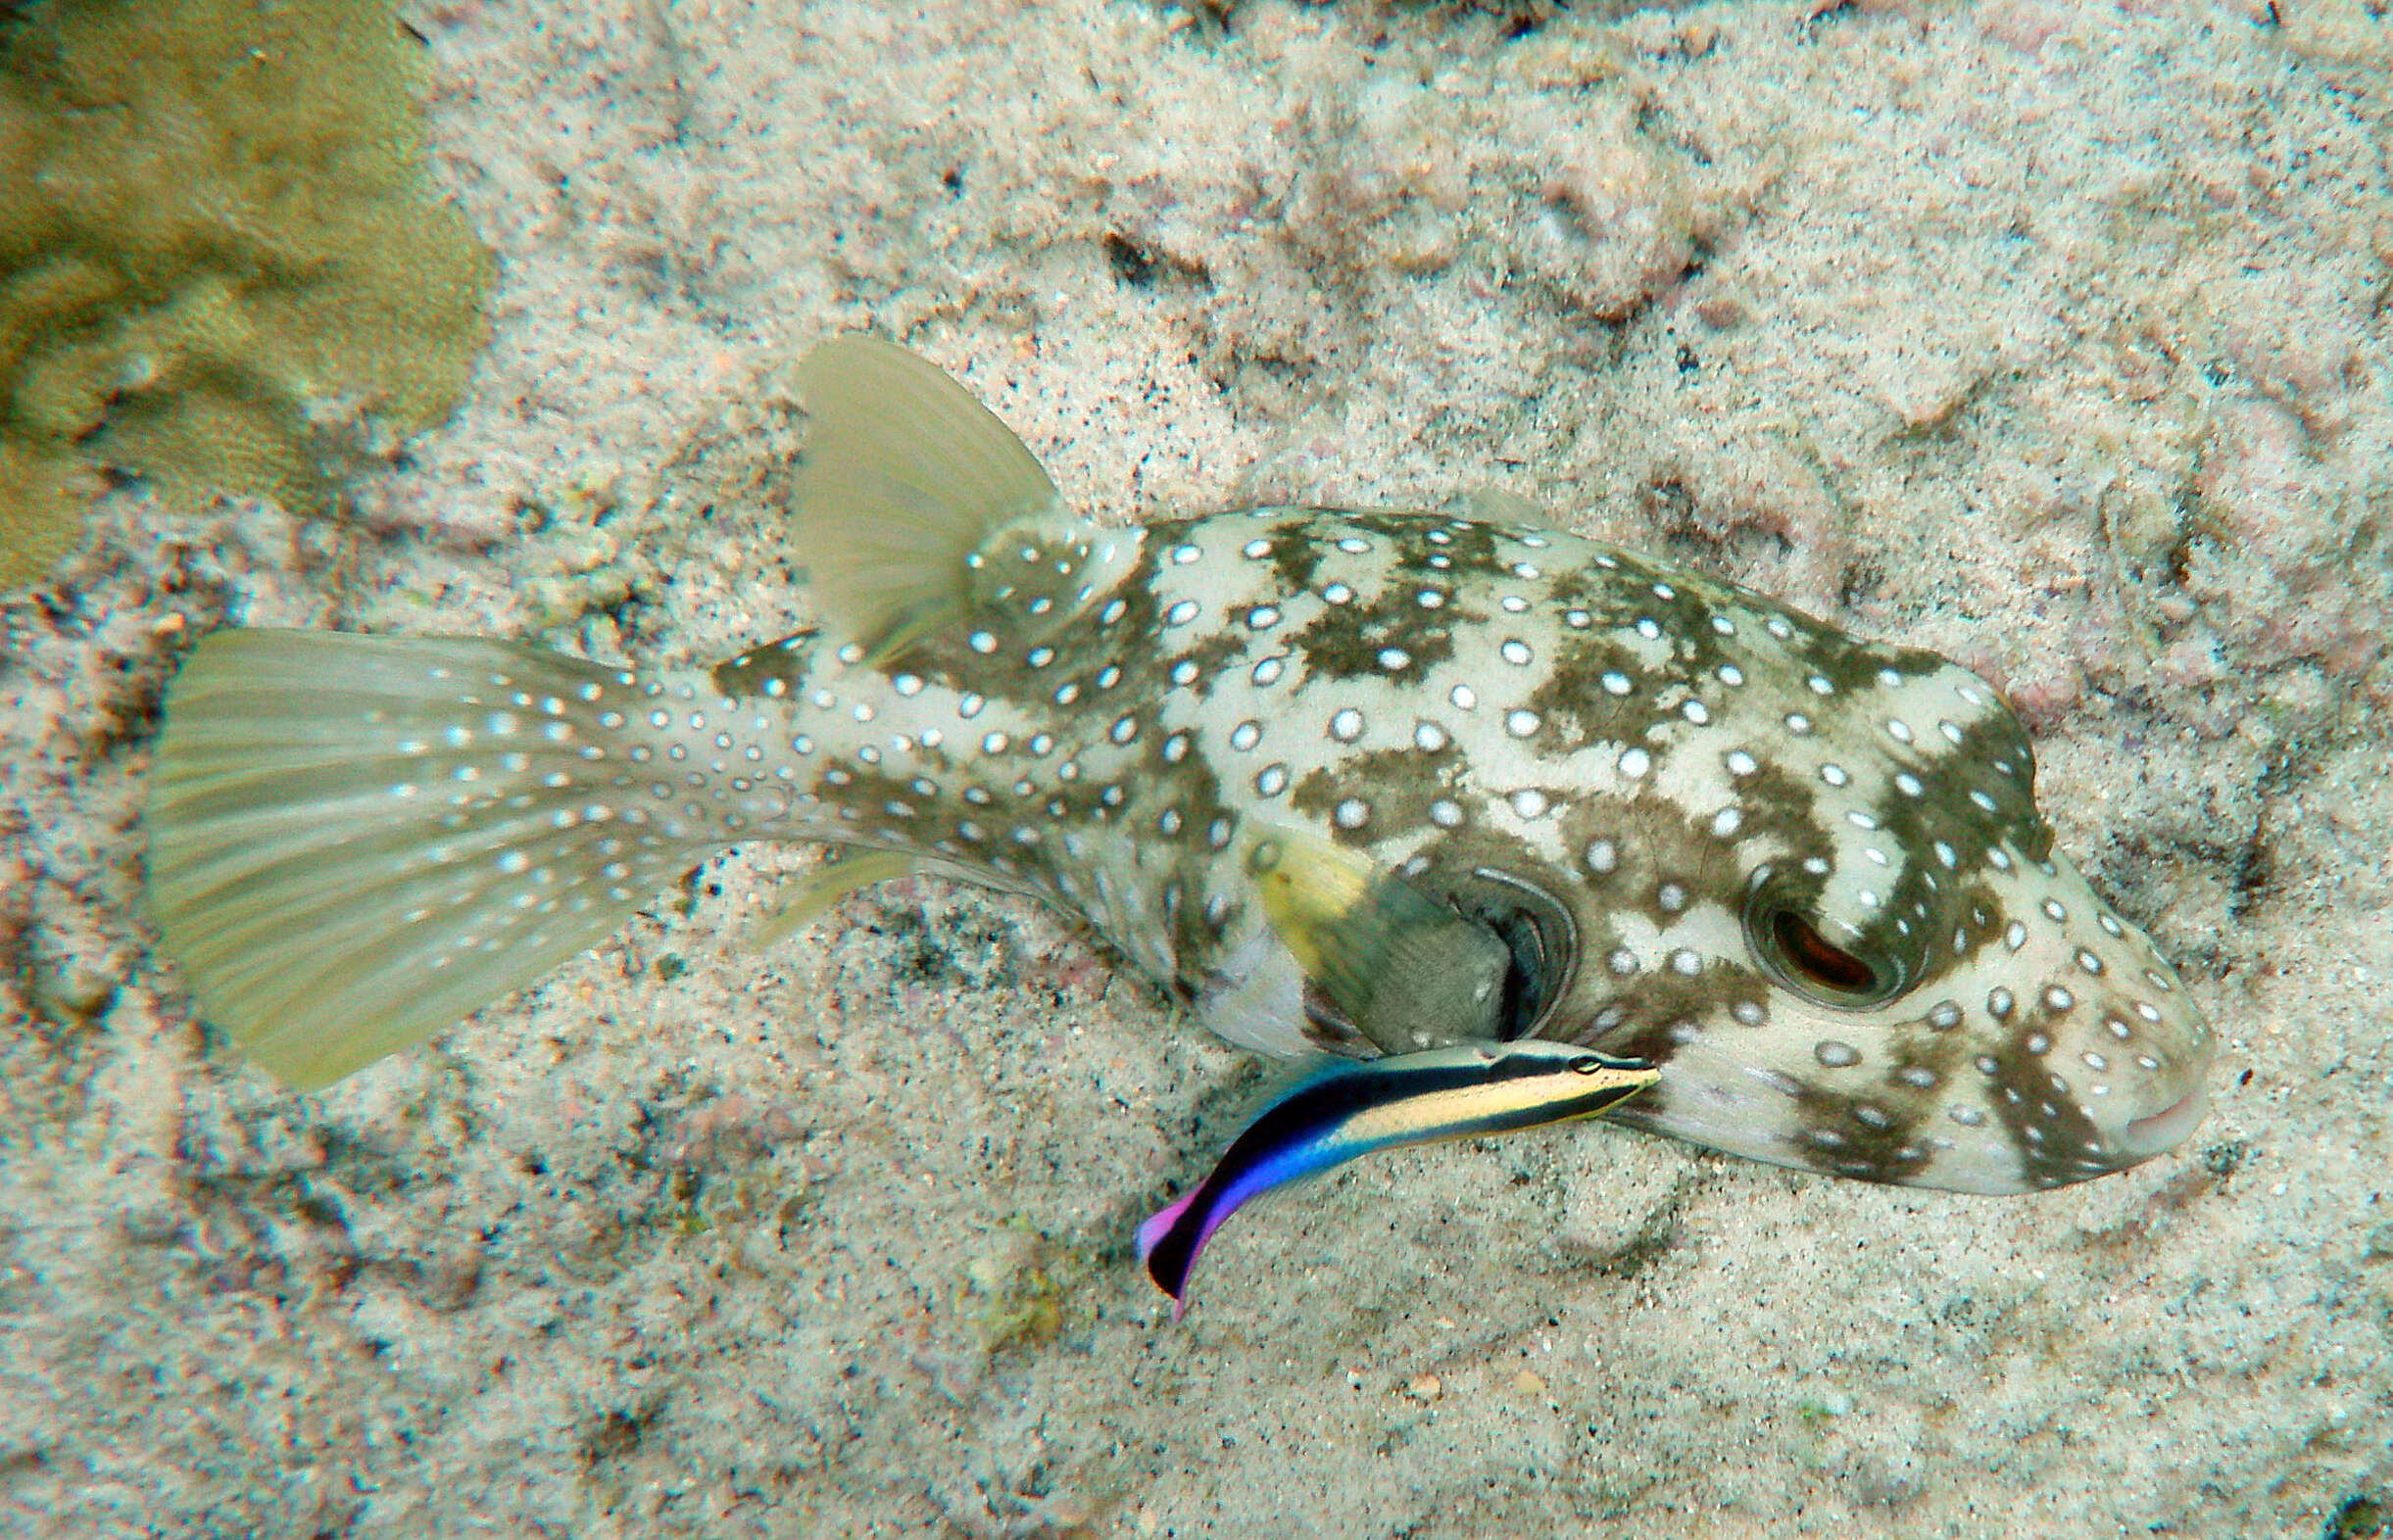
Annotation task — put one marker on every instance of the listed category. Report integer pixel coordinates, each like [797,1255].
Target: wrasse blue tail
[1353,1109]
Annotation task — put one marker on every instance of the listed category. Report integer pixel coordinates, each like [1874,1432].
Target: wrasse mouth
[2166,1129]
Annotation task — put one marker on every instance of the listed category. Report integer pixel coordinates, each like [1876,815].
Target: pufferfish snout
[1836,919]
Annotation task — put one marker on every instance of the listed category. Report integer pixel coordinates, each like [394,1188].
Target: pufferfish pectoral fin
[1406,970]
[1353,1109]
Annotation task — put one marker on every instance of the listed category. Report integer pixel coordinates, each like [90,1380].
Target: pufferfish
[1480,806]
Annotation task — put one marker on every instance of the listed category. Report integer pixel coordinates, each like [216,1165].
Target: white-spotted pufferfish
[1375,786]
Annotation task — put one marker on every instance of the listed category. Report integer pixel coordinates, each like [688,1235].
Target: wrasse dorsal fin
[1408,970]
[907,481]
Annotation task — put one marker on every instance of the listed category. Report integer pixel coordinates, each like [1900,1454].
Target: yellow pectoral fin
[1407,969]
[1307,890]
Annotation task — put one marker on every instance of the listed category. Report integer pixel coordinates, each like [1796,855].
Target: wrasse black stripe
[1356,1109]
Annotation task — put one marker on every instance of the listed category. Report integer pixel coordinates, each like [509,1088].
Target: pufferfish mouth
[2162,1131]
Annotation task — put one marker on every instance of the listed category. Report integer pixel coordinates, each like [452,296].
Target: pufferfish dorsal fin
[906,477]
[1408,971]
[915,508]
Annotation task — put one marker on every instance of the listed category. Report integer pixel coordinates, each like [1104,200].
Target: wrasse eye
[1598,1063]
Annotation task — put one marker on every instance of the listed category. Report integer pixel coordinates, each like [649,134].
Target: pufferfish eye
[1791,947]
[1817,958]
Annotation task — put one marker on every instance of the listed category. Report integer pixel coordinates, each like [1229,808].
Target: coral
[218,253]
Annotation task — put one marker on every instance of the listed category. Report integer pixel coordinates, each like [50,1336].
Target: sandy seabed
[2052,336]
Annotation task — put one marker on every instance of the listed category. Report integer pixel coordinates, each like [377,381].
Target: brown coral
[218,245]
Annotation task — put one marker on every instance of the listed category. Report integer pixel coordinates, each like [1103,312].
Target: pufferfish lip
[2146,1137]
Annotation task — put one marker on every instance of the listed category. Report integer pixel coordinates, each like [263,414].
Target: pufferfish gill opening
[1356,782]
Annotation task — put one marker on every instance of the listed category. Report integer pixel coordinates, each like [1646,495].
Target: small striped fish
[1356,1109]
[1359,784]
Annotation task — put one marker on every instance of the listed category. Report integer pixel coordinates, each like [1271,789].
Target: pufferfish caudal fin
[355,841]
[1354,1109]
[916,509]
